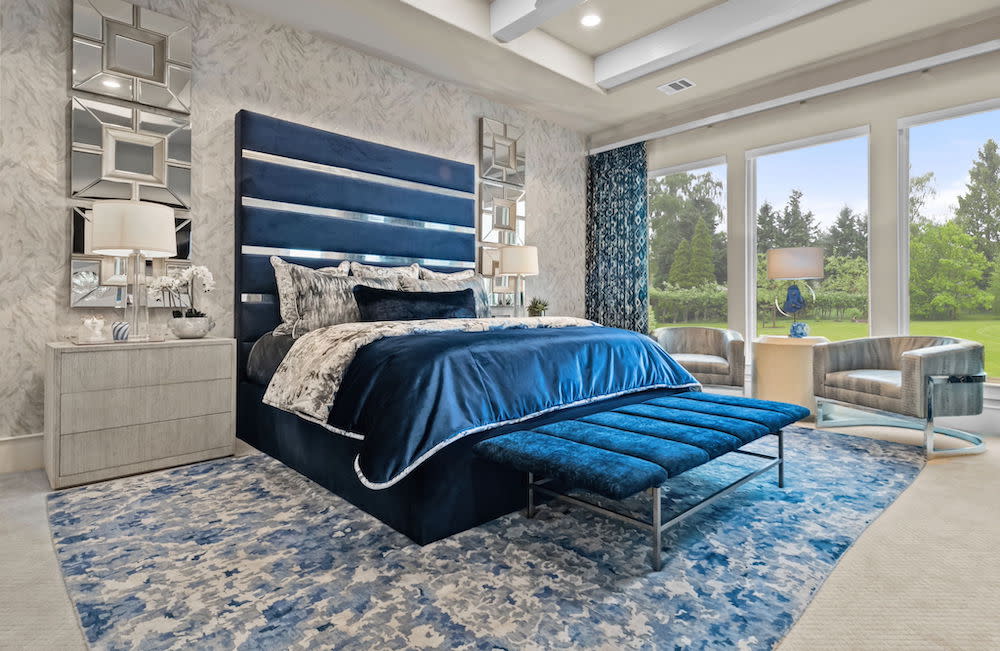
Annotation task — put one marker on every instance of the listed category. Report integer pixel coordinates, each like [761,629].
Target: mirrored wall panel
[501,214]
[131,53]
[94,283]
[122,151]
[501,152]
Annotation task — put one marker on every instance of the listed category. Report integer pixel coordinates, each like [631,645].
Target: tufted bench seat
[638,447]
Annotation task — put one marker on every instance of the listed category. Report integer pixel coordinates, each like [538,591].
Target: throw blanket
[409,388]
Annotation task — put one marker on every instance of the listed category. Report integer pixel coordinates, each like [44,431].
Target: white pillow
[428,274]
[374,271]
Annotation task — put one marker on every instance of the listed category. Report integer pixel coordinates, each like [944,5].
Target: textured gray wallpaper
[241,61]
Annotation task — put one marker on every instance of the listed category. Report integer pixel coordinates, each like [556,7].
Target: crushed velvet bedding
[408,389]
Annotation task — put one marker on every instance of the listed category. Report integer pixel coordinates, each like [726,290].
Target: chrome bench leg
[781,458]
[657,530]
[531,494]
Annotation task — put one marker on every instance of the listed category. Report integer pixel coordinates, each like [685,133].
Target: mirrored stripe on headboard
[250,202]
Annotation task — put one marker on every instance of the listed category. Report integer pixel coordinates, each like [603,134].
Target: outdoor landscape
[954,258]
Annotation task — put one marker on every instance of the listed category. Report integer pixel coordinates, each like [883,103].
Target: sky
[835,174]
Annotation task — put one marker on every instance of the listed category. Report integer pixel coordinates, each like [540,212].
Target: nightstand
[782,369]
[119,409]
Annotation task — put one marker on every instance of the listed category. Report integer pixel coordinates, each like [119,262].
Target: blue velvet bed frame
[302,193]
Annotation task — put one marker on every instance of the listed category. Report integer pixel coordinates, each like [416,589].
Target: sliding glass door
[810,211]
[687,256]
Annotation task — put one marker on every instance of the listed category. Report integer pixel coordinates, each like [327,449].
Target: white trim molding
[688,167]
[21,453]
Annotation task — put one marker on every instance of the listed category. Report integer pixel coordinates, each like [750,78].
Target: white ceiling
[622,21]
[550,71]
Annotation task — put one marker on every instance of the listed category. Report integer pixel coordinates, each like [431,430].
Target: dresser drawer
[111,408]
[94,370]
[122,446]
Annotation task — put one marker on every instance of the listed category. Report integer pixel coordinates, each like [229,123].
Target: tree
[701,270]
[921,191]
[797,228]
[676,203]
[768,236]
[978,210]
[945,273]
[680,266]
[995,286]
[848,236]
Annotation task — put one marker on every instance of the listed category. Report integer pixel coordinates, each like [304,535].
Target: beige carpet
[926,575]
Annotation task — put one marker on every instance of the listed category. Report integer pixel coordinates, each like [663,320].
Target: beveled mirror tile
[179,146]
[87,60]
[179,46]
[87,21]
[159,23]
[85,127]
[115,10]
[501,155]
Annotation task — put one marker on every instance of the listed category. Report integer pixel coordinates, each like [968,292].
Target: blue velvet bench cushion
[624,451]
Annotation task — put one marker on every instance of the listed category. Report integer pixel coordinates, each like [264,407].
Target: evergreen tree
[796,228]
[921,191]
[767,228]
[701,268]
[680,266]
[848,236]
[676,203]
[978,210]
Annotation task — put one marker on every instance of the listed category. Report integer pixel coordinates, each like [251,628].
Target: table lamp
[519,261]
[797,263]
[134,230]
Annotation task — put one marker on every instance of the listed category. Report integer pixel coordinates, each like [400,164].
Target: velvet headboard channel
[317,198]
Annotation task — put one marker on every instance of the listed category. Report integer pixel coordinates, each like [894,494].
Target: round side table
[782,369]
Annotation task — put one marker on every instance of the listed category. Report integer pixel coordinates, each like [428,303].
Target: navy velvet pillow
[390,305]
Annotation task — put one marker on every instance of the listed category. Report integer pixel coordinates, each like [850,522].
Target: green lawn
[986,331]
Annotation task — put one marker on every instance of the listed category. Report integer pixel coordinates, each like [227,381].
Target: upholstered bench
[638,447]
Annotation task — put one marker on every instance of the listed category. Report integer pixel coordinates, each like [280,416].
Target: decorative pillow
[286,290]
[476,284]
[374,271]
[427,274]
[393,305]
[315,299]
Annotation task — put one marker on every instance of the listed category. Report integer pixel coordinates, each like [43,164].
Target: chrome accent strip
[355,174]
[358,257]
[335,213]
[258,298]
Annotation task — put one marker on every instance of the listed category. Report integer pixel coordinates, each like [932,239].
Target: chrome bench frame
[656,525]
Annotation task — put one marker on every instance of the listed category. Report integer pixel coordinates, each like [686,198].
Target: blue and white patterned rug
[247,553]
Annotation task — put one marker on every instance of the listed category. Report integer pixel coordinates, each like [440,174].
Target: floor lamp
[134,230]
[519,261]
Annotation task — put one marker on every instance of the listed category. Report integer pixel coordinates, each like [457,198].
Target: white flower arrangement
[174,285]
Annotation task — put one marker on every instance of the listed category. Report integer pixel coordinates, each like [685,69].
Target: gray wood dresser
[119,409]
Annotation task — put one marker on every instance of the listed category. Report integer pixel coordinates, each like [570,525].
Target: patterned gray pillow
[286,290]
[315,298]
[476,283]
[374,271]
[428,274]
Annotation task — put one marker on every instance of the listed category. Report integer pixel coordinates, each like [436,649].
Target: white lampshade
[519,261]
[121,228]
[800,263]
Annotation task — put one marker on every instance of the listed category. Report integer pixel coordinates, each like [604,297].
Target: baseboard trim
[21,453]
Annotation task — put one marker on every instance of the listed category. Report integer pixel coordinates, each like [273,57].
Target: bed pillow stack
[475,283]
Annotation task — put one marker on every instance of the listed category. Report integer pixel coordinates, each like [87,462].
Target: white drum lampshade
[799,263]
[519,261]
[121,228]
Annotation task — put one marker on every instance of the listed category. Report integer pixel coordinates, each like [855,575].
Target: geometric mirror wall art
[123,152]
[502,153]
[131,53]
[502,214]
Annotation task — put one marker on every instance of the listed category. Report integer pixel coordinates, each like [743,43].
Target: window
[953,204]
[687,245]
[813,193]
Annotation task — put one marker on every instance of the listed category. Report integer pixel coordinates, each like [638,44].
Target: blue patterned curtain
[617,292]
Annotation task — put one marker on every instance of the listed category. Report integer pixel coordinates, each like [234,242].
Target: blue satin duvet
[410,396]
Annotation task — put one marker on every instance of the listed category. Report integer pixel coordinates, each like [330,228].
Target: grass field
[986,331]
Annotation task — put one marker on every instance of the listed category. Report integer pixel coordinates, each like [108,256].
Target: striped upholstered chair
[902,382]
[711,355]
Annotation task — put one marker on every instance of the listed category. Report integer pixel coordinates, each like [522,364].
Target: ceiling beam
[512,18]
[711,29]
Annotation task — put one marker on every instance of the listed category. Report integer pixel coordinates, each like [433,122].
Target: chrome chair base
[875,417]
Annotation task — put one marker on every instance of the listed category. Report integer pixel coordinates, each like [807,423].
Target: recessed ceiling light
[590,20]
[111,83]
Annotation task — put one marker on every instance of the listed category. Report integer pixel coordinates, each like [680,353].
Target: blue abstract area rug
[246,553]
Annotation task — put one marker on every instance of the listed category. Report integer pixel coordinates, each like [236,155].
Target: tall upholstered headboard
[317,198]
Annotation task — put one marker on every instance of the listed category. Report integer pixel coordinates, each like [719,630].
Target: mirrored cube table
[782,369]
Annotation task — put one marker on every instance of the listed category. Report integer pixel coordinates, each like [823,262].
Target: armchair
[711,355]
[902,382]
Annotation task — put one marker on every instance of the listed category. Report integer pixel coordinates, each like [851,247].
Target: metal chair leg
[657,530]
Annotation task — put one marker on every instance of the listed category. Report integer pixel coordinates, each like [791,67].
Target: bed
[316,198]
